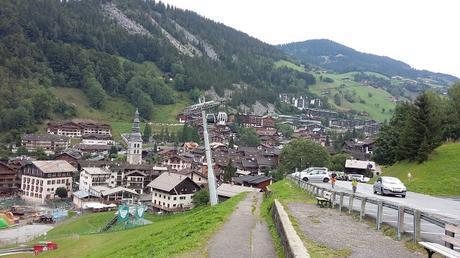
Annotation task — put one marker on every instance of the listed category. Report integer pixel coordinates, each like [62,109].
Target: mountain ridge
[340,58]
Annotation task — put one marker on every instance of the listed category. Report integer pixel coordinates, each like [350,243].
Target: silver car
[387,185]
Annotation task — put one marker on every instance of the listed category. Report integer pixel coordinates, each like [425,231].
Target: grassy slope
[167,236]
[285,191]
[440,175]
[380,98]
[281,63]
[119,113]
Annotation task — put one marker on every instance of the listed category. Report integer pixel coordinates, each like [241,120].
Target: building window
[175,198]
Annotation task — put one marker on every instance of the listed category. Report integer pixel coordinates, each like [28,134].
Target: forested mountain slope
[142,51]
[339,58]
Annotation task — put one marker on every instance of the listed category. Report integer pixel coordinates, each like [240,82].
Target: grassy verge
[167,236]
[286,191]
[440,175]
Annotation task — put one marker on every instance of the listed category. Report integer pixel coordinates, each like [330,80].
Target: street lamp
[203,106]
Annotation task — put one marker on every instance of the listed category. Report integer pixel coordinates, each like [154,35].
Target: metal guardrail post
[340,202]
[322,192]
[416,223]
[378,218]
[362,212]
[333,197]
[400,228]
[350,203]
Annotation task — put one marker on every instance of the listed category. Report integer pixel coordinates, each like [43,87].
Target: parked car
[306,171]
[387,185]
[358,177]
[318,174]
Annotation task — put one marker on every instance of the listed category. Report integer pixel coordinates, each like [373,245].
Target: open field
[281,63]
[440,175]
[184,233]
[373,100]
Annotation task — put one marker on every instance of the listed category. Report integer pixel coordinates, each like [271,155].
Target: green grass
[285,63]
[373,105]
[119,113]
[286,191]
[115,109]
[440,175]
[167,236]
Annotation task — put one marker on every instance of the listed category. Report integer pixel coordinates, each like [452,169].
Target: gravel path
[245,234]
[21,234]
[328,227]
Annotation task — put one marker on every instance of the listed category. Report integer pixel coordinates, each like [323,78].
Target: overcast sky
[424,33]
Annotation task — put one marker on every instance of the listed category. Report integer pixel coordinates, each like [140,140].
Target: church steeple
[136,128]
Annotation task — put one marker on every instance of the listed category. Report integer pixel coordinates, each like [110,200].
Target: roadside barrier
[338,201]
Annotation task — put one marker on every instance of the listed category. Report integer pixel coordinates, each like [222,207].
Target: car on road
[386,185]
[314,174]
[358,177]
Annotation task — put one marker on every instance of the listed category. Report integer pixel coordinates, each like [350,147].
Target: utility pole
[202,106]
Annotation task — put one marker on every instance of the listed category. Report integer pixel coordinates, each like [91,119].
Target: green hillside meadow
[169,235]
[440,175]
[374,99]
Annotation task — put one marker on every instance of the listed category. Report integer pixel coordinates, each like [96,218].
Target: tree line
[417,128]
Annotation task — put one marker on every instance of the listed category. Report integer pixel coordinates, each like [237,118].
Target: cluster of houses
[93,137]
[167,185]
[301,102]
[170,183]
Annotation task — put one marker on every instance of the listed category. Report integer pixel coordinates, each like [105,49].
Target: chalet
[259,181]
[253,121]
[178,162]
[77,128]
[197,177]
[9,180]
[93,148]
[48,143]
[134,180]
[40,179]
[173,192]
[359,149]
[93,176]
[97,139]
[70,155]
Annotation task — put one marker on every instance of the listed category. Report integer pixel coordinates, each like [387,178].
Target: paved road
[447,208]
[245,234]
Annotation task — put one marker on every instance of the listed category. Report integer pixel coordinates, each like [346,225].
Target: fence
[337,198]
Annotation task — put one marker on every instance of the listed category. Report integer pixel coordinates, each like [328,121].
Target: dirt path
[328,227]
[245,234]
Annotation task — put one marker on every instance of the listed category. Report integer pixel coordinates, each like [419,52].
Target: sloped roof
[167,181]
[359,164]
[251,179]
[96,170]
[53,166]
[229,190]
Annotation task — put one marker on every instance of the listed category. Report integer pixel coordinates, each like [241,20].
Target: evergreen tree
[147,133]
[229,172]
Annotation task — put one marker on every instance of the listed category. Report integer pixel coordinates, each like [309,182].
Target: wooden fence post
[362,212]
[400,229]
[416,224]
[378,218]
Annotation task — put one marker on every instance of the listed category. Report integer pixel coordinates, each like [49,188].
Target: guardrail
[337,200]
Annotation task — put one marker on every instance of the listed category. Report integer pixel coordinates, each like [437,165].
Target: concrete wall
[291,242]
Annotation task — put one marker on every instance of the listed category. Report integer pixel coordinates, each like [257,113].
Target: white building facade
[93,176]
[41,179]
